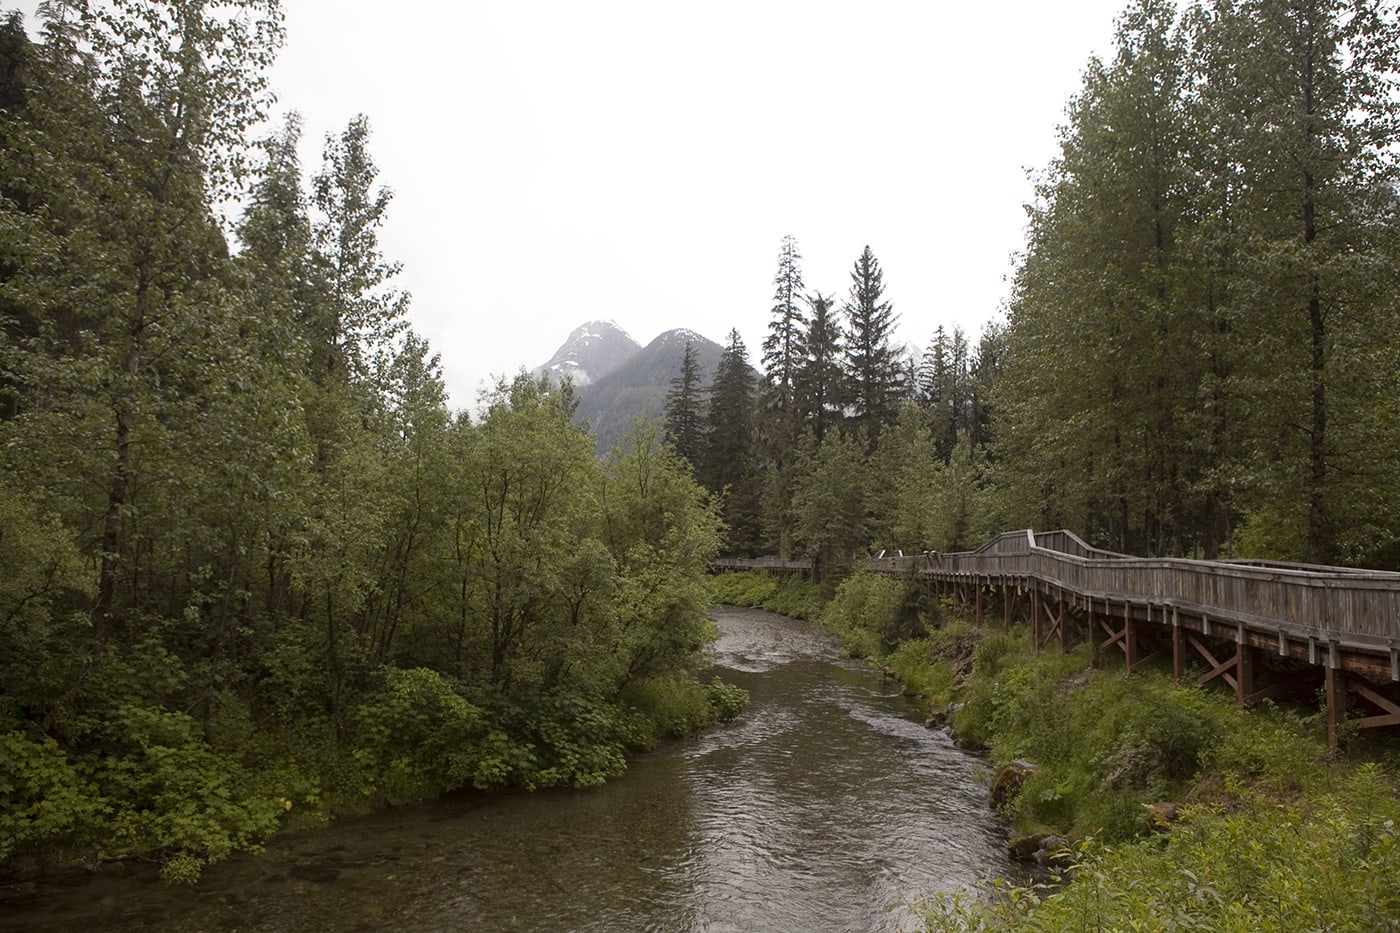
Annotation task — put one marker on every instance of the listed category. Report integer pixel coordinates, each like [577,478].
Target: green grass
[1272,835]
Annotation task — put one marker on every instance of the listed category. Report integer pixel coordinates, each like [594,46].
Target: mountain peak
[681,336]
[593,350]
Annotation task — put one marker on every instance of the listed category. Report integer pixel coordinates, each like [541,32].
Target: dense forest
[1200,354]
[254,569]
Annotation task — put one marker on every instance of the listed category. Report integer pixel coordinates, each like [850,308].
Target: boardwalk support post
[1335,688]
[1178,647]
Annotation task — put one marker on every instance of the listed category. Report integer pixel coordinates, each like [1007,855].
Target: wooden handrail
[1357,608]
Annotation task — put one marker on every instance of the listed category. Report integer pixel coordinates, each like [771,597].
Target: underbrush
[791,596]
[164,792]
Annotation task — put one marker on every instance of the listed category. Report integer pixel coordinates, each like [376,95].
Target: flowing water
[825,807]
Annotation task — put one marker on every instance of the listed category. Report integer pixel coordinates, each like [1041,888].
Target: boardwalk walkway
[1332,628]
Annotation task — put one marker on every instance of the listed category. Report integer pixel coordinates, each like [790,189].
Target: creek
[825,807]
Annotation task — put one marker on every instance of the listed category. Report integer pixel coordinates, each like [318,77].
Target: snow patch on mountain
[592,351]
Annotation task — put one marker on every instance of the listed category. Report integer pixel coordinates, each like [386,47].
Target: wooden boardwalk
[1331,628]
[771,564]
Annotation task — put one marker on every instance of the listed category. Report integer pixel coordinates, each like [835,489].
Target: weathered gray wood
[763,563]
[1359,609]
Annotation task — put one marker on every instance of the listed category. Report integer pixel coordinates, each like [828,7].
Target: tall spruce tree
[873,367]
[819,382]
[779,424]
[782,347]
[684,417]
[729,463]
[945,376]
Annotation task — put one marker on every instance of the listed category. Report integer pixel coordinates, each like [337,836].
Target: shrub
[797,599]
[751,588]
[45,802]
[922,672]
[417,736]
[674,705]
[727,701]
[865,614]
[166,791]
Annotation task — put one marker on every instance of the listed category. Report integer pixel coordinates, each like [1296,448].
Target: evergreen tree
[819,382]
[873,368]
[779,425]
[728,463]
[782,347]
[830,508]
[684,419]
[945,377]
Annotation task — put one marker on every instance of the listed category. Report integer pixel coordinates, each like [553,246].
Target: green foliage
[828,506]
[727,701]
[252,564]
[417,736]
[797,599]
[922,672]
[867,614]
[1104,745]
[791,596]
[1270,835]
[676,706]
[44,800]
[165,790]
[566,740]
[1195,343]
[752,588]
[1328,862]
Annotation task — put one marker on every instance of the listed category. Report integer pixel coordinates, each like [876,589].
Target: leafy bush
[672,706]
[752,588]
[865,614]
[789,595]
[417,736]
[560,739]
[727,701]
[797,599]
[164,790]
[44,800]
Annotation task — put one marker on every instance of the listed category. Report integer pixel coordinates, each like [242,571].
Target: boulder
[1051,853]
[1161,815]
[1009,782]
[1024,848]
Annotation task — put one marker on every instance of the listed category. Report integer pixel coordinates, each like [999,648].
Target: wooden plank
[1221,669]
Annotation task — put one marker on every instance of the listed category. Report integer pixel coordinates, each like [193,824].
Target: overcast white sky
[556,161]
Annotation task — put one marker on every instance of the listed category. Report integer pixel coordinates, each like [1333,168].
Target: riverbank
[819,808]
[1177,809]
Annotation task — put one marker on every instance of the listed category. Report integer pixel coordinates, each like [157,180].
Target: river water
[825,807]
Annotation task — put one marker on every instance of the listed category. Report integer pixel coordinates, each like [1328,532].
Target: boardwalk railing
[1357,609]
[771,564]
[1342,620]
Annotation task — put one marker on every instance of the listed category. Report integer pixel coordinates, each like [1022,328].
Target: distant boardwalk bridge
[1331,628]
